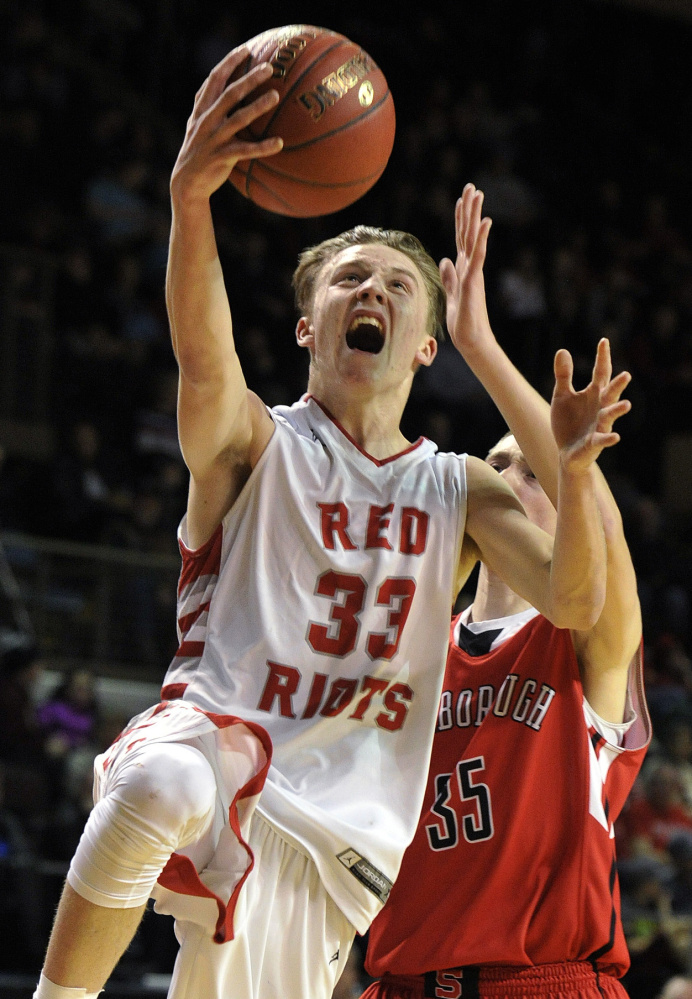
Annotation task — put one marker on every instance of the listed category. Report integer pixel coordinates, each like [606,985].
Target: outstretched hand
[211,147]
[467,314]
[583,421]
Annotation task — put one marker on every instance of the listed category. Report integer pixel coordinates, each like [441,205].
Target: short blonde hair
[312,260]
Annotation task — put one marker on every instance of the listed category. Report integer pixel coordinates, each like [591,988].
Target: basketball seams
[324,164]
[324,185]
[286,204]
[339,128]
[340,42]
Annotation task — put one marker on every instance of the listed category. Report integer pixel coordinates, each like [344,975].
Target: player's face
[370,316]
[507,458]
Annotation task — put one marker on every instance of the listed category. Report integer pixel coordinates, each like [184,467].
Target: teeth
[365,321]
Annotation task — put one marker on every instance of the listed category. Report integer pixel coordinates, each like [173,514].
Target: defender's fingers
[609,414]
[605,440]
[563,367]
[614,389]
[481,243]
[466,201]
[448,276]
[474,223]
[603,366]
[458,224]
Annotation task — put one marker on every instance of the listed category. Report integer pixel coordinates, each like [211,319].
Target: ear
[305,333]
[427,352]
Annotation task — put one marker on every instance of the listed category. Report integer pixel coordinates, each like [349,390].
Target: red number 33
[347,594]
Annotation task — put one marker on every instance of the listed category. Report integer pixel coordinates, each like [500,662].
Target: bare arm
[564,579]
[223,428]
[605,650]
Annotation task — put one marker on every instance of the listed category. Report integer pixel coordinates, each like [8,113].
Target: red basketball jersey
[513,861]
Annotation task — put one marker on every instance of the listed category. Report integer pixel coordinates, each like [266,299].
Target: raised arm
[605,650]
[564,579]
[223,428]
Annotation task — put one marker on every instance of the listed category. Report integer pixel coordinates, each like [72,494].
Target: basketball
[335,116]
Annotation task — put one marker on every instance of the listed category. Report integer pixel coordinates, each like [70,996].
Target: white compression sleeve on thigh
[49,990]
[163,799]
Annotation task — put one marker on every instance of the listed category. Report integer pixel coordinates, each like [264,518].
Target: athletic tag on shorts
[368,875]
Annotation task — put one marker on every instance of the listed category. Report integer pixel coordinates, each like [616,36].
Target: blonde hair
[312,260]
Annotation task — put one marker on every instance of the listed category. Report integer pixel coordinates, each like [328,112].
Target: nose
[371,289]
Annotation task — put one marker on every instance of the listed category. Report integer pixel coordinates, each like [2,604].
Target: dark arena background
[573,116]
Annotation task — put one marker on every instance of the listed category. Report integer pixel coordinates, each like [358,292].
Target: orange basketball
[335,115]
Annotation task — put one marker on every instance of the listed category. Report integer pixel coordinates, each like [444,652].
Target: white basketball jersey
[320,610]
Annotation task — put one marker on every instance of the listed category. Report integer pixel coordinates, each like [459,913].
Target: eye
[497,465]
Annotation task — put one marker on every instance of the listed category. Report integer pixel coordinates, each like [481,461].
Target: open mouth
[366,334]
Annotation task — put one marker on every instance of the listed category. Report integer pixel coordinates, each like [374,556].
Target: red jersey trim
[203,561]
[186,622]
[179,874]
[376,461]
[173,691]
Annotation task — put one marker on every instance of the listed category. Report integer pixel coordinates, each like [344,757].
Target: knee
[170,786]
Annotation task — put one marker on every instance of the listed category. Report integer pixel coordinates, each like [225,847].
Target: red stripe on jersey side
[376,461]
[204,561]
[192,650]
[173,691]
[186,622]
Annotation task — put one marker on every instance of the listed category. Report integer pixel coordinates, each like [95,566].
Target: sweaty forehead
[375,255]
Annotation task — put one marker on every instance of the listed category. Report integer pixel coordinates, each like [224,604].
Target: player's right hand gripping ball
[335,115]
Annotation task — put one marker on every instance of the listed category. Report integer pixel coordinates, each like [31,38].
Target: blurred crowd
[570,117]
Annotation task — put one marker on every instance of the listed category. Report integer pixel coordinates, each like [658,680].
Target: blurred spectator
[650,818]
[22,912]
[680,884]
[677,987]
[676,742]
[658,940]
[27,786]
[668,677]
[69,717]
[86,492]
[118,206]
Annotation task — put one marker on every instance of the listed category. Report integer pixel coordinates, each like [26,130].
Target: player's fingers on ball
[218,79]
[240,117]
[239,89]
[228,65]
[255,150]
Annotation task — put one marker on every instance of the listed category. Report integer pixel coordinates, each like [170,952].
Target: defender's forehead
[507,448]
